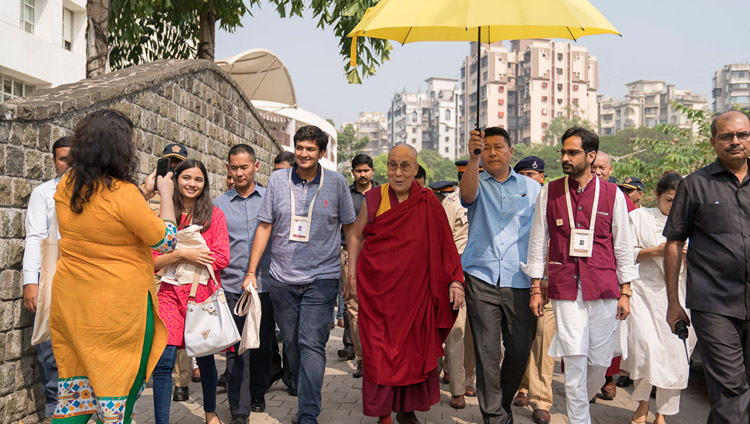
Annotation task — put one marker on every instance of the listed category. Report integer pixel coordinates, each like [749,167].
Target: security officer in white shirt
[39,217]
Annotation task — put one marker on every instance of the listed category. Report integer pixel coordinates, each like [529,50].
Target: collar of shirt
[717,167]
[297,180]
[233,194]
[353,187]
[486,176]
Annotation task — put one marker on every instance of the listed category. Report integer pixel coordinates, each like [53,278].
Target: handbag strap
[197,277]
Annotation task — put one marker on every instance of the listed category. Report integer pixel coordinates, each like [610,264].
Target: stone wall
[191,102]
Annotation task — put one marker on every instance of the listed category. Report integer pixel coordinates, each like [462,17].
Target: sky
[680,42]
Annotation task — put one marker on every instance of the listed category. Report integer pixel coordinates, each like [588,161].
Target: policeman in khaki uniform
[460,362]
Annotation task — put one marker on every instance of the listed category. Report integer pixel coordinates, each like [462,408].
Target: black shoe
[623,381]
[257,405]
[294,418]
[509,411]
[181,394]
[222,381]
[239,419]
[291,390]
[347,352]
[358,372]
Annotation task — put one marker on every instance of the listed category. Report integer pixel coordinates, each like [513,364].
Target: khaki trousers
[459,360]
[352,304]
[537,382]
[183,369]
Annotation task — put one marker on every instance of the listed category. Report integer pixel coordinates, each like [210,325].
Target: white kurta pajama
[655,356]
[587,331]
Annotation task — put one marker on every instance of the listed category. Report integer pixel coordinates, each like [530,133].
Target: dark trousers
[238,368]
[48,375]
[304,315]
[262,359]
[494,310]
[725,350]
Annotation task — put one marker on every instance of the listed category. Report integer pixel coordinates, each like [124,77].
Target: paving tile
[342,401]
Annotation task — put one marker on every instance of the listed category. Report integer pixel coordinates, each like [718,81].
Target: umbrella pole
[479,78]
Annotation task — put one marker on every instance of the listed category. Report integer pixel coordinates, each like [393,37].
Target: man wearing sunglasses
[581,231]
[712,208]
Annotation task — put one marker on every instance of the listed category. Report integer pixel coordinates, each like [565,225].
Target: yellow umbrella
[407,21]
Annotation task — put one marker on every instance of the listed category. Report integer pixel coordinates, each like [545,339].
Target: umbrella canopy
[407,21]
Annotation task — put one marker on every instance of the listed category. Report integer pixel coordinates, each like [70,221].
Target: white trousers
[586,339]
[667,400]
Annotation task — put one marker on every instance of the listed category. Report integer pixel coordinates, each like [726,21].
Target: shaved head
[411,149]
[602,166]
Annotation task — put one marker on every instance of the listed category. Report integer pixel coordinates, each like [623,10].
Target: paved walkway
[342,402]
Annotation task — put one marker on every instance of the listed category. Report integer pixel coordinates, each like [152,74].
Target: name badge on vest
[581,243]
[300,230]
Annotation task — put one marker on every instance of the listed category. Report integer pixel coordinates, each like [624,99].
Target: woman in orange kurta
[106,333]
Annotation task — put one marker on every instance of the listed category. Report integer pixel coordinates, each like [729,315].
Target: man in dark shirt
[712,208]
[362,169]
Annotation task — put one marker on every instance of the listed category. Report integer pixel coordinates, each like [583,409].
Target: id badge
[581,243]
[300,230]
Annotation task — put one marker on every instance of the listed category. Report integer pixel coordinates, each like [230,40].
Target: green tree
[671,148]
[574,117]
[442,168]
[146,30]
[349,145]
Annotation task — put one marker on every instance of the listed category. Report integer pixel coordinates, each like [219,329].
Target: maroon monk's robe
[408,260]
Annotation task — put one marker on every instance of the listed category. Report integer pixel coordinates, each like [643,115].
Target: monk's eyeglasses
[405,166]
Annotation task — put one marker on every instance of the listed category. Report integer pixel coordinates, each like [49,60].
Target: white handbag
[249,304]
[209,325]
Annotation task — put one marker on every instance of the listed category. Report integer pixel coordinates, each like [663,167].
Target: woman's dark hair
[669,181]
[203,209]
[102,151]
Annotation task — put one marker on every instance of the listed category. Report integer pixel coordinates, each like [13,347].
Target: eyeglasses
[729,137]
[570,153]
[393,166]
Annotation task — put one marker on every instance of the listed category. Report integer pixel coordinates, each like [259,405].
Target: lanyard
[593,207]
[312,203]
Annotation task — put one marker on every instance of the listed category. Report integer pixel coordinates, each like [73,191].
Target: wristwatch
[626,292]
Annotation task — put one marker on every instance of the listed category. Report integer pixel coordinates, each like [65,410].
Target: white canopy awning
[262,76]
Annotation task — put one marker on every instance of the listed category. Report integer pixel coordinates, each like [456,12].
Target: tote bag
[249,304]
[209,325]
[50,255]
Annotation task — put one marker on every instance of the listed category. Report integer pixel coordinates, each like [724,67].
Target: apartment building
[426,120]
[522,89]
[731,87]
[44,45]
[374,126]
[647,104]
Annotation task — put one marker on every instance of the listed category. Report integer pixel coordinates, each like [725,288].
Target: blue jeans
[163,383]
[303,313]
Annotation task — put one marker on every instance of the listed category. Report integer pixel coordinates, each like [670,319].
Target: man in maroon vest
[585,222]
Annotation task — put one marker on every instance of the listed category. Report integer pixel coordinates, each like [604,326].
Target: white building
[524,88]
[647,104]
[731,87]
[374,126]
[426,120]
[43,45]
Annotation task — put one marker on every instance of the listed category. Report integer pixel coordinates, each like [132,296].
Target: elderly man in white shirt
[39,218]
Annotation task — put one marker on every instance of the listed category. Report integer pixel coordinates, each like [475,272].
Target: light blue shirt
[499,227]
[241,214]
